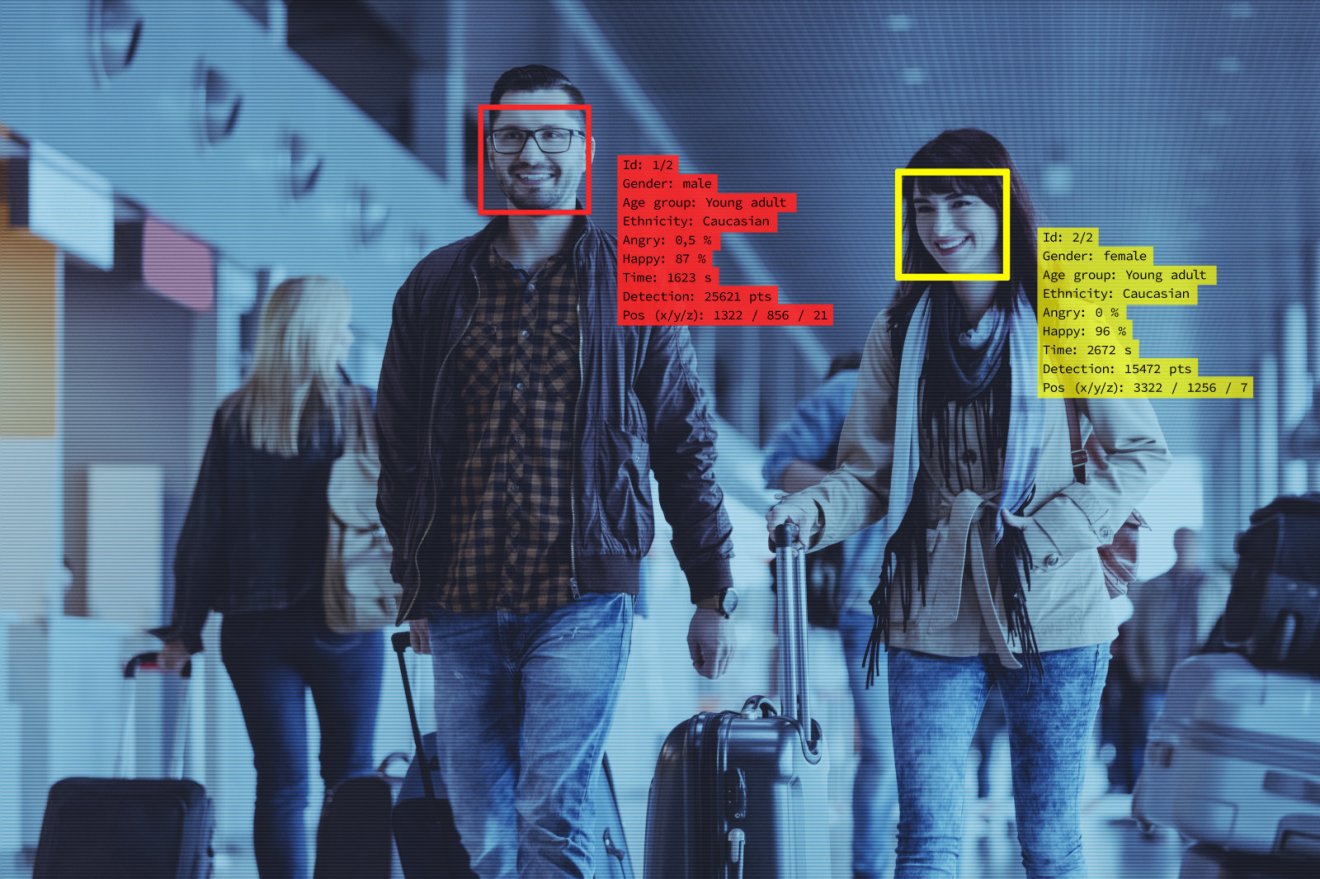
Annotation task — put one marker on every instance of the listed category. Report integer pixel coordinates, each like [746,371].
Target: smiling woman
[990,575]
[959,229]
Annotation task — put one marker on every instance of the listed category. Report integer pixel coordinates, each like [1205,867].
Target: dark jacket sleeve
[199,556]
[682,436]
[401,413]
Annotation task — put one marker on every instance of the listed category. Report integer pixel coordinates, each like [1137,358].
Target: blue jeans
[273,658]
[936,703]
[523,703]
[875,795]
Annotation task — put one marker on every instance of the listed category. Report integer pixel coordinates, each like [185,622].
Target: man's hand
[798,510]
[711,641]
[420,631]
[172,656]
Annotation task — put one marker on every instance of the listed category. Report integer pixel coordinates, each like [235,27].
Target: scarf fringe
[979,380]
[905,551]
[1013,558]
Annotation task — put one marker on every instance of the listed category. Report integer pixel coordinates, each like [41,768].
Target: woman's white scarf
[1021,453]
[1026,417]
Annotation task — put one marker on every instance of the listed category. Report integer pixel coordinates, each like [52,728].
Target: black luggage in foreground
[96,828]
[353,839]
[428,842]
[1273,613]
[742,794]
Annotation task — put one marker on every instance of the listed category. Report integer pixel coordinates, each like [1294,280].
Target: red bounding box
[669,229]
[177,266]
[481,161]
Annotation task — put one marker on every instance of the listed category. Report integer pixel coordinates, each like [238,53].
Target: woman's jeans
[273,658]
[523,704]
[936,702]
[875,796]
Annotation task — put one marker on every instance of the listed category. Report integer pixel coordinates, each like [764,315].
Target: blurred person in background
[253,547]
[519,426]
[991,573]
[1174,615]
[1122,734]
[800,454]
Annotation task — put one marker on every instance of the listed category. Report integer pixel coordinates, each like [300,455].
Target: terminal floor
[1115,848]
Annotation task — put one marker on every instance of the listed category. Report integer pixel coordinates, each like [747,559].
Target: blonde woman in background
[253,548]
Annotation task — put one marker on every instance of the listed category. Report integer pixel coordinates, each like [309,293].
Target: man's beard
[550,195]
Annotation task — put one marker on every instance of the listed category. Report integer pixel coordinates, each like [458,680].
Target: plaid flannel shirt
[509,504]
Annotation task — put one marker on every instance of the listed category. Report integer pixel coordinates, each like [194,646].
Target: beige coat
[963,614]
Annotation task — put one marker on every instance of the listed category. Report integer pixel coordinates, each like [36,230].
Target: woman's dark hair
[531,78]
[966,148]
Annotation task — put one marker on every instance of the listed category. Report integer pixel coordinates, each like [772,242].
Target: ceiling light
[899,24]
[914,75]
[1059,178]
[1239,9]
[1229,64]
[304,166]
[370,216]
[219,103]
[116,32]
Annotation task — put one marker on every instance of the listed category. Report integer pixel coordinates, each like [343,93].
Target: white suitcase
[1234,758]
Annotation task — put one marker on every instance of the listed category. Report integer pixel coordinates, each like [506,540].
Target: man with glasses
[519,426]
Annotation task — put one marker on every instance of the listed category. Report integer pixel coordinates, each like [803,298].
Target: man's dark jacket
[641,407]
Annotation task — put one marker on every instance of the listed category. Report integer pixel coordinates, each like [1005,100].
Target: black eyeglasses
[550,140]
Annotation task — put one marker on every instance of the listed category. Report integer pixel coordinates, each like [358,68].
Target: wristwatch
[726,602]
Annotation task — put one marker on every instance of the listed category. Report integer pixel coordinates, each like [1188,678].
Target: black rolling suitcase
[146,828]
[353,839]
[742,794]
[424,832]
[1273,613]
[428,842]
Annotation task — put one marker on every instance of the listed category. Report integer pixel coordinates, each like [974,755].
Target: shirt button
[518,387]
[1050,561]
[526,334]
[1105,532]
[531,288]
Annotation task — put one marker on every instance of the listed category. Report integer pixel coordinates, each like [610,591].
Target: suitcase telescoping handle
[401,641]
[150,661]
[791,575]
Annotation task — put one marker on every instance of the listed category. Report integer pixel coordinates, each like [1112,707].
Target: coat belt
[955,542]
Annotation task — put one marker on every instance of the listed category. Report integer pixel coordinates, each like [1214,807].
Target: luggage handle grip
[150,661]
[401,641]
[758,706]
[785,535]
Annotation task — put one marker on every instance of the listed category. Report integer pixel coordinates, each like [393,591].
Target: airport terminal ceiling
[1188,125]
